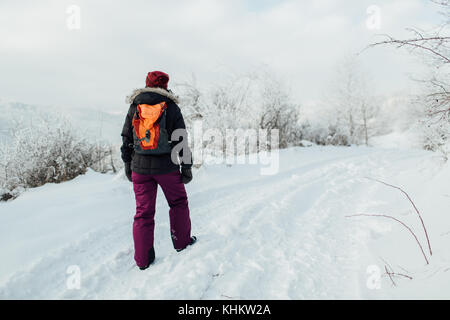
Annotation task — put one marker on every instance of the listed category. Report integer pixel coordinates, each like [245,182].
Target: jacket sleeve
[127,137]
[179,124]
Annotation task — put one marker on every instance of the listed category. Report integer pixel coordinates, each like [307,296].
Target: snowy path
[260,237]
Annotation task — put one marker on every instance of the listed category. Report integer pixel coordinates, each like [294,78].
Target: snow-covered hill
[99,124]
[260,237]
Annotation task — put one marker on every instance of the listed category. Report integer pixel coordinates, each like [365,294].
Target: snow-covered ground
[284,236]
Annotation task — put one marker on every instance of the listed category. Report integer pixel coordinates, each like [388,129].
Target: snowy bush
[250,101]
[47,150]
[323,135]
[436,123]
[437,138]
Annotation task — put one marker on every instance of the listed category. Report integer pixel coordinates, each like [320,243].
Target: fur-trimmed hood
[163,92]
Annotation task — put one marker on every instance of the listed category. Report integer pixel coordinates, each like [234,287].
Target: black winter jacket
[152,164]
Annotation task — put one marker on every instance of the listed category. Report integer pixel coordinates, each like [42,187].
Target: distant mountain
[93,123]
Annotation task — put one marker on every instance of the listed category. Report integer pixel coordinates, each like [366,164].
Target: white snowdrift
[260,237]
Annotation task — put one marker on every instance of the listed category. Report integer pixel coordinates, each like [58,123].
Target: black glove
[128,170]
[186,175]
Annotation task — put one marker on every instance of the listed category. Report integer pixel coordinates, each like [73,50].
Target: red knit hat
[157,79]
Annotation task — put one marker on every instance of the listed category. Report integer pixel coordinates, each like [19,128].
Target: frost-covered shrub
[323,134]
[251,101]
[437,138]
[48,149]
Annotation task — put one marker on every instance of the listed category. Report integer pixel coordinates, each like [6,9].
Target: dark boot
[151,258]
[193,240]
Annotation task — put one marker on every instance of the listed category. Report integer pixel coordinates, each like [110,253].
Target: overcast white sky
[43,62]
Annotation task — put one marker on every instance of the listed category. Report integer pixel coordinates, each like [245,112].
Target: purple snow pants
[145,189]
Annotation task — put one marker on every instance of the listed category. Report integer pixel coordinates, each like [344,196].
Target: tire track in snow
[289,204]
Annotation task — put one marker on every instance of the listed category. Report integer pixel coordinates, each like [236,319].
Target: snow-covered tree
[277,111]
[352,106]
[433,47]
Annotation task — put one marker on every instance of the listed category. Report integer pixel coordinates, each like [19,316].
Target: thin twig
[401,222]
[403,269]
[390,277]
[414,206]
[387,263]
[414,43]
[401,275]
[393,273]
